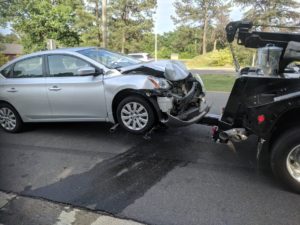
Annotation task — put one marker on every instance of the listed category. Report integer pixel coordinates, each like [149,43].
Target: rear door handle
[12,90]
[54,88]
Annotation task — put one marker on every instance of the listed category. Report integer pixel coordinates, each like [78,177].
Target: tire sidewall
[19,122]
[143,102]
[281,150]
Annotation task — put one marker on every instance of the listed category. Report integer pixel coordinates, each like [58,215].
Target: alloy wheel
[134,116]
[8,119]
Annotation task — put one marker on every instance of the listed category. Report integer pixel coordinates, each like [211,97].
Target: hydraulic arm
[289,42]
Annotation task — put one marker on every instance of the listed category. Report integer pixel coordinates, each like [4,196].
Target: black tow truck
[265,100]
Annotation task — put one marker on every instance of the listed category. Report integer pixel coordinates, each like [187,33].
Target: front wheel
[135,115]
[285,159]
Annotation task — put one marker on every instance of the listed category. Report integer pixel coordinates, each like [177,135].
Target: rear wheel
[135,115]
[10,121]
[285,159]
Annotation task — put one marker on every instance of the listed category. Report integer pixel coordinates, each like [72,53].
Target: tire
[135,115]
[10,120]
[285,159]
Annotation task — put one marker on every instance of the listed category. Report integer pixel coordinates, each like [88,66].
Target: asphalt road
[178,177]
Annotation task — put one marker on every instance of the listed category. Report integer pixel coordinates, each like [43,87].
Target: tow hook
[235,135]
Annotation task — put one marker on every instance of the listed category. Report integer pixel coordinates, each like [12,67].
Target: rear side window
[6,71]
[27,68]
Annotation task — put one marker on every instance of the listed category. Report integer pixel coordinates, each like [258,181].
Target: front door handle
[54,88]
[12,90]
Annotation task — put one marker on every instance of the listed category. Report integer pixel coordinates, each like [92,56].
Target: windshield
[111,60]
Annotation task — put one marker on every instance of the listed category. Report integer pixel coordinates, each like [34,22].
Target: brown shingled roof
[11,49]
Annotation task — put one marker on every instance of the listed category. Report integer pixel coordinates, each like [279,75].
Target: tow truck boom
[289,42]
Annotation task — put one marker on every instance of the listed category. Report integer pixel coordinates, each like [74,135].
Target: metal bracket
[147,136]
[114,128]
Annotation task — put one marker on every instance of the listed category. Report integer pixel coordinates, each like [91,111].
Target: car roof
[59,50]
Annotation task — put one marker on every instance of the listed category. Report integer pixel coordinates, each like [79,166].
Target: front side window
[65,65]
[27,68]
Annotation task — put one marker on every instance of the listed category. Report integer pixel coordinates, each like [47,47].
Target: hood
[170,69]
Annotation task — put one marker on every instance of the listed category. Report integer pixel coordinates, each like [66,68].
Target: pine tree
[129,21]
[272,12]
[197,13]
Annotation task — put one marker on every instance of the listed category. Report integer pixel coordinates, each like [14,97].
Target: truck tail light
[261,119]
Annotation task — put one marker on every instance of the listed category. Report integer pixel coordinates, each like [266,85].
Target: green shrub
[186,55]
[216,58]
[220,58]
[164,53]
[223,58]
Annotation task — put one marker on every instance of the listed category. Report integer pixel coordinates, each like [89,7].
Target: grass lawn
[218,82]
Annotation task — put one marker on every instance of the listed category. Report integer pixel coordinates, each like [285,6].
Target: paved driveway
[178,177]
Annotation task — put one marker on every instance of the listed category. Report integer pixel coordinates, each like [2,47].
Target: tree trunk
[215,45]
[104,24]
[97,22]
[123,40]
[205,28]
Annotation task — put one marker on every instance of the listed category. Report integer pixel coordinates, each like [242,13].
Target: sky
[165,9]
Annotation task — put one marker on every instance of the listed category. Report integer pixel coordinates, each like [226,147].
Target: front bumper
[173,121]
[184,110]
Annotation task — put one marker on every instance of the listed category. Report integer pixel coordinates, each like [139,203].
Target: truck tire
[135,115]
[285,159]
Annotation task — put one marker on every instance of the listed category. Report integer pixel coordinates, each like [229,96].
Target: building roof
[11,49]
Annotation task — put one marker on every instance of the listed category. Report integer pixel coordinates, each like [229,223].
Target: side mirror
[88,70]
[99,72]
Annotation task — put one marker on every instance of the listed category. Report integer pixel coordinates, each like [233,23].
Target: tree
[36,21]
[197,13]
[272,12]
[221,20]
[9,38]
[104,23]
[93,24]
[86,25]
[3,59]
[130,20]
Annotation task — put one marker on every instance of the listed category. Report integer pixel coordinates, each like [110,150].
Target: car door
[25,88]
[74,97]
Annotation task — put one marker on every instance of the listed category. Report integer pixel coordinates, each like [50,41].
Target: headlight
[199,79]
[159,83]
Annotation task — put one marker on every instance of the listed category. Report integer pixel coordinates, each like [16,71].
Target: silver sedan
[93,84]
